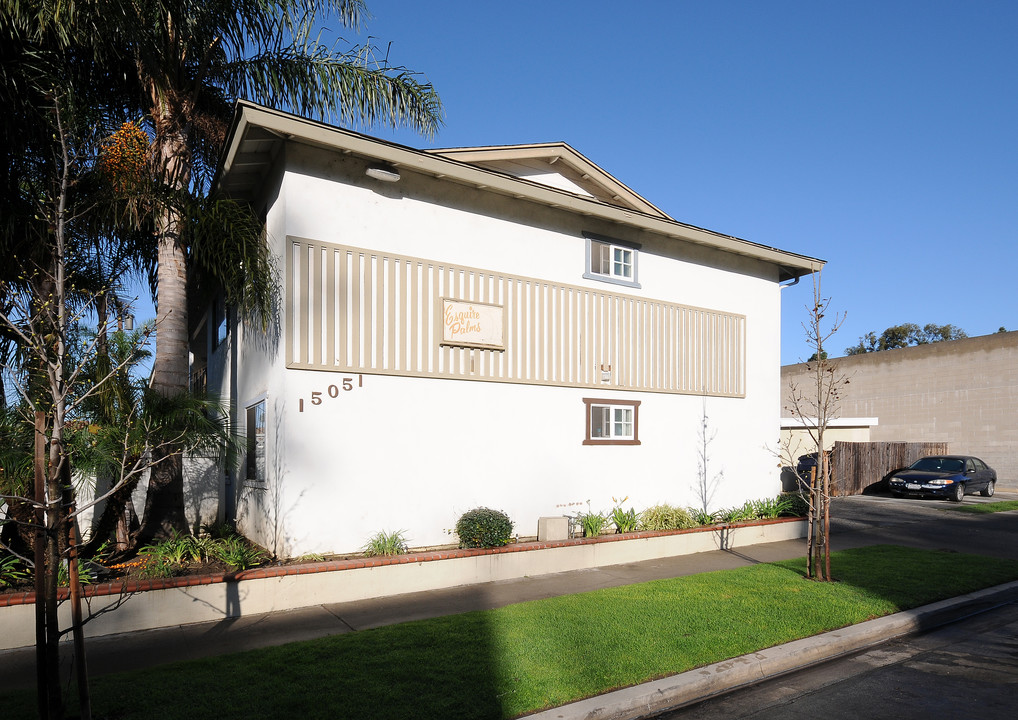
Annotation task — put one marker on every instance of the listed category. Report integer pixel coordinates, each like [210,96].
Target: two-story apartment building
[503,326]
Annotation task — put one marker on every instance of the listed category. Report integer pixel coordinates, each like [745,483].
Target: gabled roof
[556,165]
[258,134]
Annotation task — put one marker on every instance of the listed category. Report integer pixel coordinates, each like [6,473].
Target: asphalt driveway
[925,523]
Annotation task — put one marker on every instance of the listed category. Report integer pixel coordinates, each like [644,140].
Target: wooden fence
[857,466]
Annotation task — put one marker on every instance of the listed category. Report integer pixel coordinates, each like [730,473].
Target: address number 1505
[332,391]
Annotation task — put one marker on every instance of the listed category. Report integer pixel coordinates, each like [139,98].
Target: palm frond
[345,88]
[229,252]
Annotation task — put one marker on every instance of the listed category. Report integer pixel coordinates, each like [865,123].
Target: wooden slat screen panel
[356,310]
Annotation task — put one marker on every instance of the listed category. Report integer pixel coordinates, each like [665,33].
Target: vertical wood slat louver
[355,310]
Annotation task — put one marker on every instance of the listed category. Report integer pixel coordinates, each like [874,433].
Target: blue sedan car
[950,476]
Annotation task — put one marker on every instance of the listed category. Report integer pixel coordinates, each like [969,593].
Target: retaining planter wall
[151,604]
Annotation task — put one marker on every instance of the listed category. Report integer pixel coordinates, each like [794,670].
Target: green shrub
[744,513]
[794,504]
[702,517]
[484,527]
[767,509]
[666,517]
[201,549]
[592,523]
[12,571]
[309,558]
[175,550]
[155,566]
[238,553]
[86,573]
[218,530]
[171,556]
[625,521]
[386,543]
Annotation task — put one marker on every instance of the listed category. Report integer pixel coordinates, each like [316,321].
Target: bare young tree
[706,483]
[815,405]
[63,375]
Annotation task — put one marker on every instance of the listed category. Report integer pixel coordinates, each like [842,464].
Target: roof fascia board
[291,127]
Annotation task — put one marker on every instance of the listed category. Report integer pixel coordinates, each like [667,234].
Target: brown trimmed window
[612,422]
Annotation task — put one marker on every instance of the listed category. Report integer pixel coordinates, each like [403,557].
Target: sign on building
[473,324]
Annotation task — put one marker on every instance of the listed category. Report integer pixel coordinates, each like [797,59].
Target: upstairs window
[611,260]
[612,422]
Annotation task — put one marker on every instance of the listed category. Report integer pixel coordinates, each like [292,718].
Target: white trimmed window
[612,422]
[611,260]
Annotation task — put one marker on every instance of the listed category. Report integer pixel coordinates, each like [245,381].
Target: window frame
[218,323]
[613,245]
[612,405]
[250,432]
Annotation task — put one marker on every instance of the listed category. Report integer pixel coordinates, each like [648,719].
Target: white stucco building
[502,326]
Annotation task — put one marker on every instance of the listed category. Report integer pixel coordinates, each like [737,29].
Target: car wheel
[896,494]
[959,492]
[988,490]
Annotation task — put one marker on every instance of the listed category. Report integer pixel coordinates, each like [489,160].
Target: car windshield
[939,464]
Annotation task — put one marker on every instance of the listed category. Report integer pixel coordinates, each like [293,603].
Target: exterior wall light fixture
[383,172]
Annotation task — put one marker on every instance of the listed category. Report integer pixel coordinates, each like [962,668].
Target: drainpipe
[231,480]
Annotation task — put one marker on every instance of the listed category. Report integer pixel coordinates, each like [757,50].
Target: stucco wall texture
[963,392]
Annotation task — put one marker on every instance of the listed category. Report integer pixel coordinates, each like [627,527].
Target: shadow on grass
[444,667]
[907,578]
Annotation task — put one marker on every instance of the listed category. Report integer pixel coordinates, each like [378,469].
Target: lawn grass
[505,662]
[992,507]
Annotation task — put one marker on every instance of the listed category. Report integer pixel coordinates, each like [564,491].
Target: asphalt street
[967,669]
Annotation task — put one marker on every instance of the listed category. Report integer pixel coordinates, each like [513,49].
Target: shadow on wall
[203,478]
[261,513]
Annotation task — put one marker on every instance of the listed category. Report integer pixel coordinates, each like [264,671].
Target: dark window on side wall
[256,443]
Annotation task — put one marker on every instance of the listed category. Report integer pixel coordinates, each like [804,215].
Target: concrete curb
[695,685]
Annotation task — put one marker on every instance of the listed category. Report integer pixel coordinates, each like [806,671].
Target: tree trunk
[41,576]
[164,503]
[827,517]
[113,521]
[80,665]
[811,535]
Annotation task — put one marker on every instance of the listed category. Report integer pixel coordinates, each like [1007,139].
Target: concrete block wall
[963,392]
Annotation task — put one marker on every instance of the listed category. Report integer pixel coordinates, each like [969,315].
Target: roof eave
[292,128]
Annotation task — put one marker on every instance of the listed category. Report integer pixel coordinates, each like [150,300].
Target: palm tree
[179,64]
[189,58]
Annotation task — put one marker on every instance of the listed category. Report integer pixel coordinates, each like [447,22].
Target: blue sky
[878,136]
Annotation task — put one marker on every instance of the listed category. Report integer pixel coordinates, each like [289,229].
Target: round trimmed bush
[483,527]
